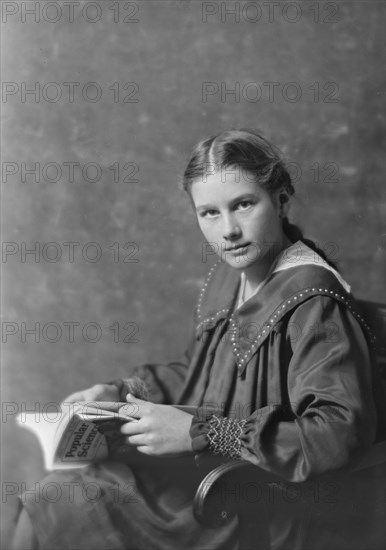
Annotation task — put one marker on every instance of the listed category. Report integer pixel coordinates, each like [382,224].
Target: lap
[111,506]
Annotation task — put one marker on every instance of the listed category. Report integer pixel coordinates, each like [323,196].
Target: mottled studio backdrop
[102,103]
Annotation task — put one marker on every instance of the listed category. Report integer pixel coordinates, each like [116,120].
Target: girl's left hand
[159,430]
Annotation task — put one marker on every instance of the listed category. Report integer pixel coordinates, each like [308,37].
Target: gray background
[169,53]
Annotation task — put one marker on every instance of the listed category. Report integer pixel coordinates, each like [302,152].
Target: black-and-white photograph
[193,275]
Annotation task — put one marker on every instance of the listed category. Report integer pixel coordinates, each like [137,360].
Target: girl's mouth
[239,248]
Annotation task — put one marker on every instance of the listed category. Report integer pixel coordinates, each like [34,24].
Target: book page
[44,426]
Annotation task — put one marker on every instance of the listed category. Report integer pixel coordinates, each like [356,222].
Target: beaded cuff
[224,436]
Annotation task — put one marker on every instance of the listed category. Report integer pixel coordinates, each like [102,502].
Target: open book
[81,433]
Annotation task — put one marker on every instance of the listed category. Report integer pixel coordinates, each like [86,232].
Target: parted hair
[248,151]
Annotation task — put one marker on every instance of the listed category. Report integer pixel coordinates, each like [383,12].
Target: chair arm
[219,495]
[233,487]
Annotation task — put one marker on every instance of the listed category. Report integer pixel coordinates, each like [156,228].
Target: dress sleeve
[330,415]
[164,380]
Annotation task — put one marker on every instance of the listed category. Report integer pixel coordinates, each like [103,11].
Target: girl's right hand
[99,392]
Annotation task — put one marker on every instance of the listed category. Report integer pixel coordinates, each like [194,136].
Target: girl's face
[239,219]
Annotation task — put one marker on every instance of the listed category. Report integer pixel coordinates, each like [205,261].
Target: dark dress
[293,362]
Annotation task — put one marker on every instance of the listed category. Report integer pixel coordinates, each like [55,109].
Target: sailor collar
[283,290]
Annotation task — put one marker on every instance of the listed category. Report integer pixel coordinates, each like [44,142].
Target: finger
[129,410]
[135,407]
[136,440]
[132,399]
[132,428]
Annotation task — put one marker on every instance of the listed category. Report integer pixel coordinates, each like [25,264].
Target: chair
[238,488]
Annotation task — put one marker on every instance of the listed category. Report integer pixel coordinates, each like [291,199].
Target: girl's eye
[243,205]
[211,213]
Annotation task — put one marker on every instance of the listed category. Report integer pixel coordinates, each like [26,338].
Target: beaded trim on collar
[222,312]
[243,358]
[243,351]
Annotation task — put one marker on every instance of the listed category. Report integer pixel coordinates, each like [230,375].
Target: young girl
[278,368]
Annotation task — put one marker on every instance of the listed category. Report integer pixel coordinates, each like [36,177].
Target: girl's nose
[231,229]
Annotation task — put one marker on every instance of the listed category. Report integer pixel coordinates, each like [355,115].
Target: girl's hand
[159,430]
[99,392]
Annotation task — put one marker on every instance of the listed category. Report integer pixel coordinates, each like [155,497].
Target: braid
[294,233]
